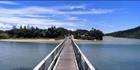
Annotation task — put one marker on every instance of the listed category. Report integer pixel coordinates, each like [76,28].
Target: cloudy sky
[107,16]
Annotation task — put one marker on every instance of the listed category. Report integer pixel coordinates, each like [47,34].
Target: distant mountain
[130,33]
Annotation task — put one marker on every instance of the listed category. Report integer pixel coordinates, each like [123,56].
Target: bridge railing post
[49,61]
[82,61]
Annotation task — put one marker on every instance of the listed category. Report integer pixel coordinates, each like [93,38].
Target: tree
[62,31]
[78,33]
[52,32]
[4,36]
[96,34]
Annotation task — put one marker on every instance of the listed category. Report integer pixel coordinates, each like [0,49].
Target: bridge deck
[66,61]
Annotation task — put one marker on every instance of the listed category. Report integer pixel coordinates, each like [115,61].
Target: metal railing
[82,61]
[49,61]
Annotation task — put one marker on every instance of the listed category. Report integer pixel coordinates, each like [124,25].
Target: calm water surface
[115,54]
[22,56]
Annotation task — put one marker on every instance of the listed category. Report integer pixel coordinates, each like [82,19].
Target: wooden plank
[67,59]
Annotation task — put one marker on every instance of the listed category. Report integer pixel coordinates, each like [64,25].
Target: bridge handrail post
[51,55]
[82,61]
[55,58]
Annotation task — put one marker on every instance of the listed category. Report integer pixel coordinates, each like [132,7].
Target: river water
[109,54]
[113,54]
[22,56]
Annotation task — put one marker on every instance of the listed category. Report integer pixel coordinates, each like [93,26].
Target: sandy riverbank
[45,40]
[109,40]
[79,41]
[52,41]
[106,39]
[33,40]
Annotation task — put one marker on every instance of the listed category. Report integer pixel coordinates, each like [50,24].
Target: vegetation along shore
[27,32]
[129,33]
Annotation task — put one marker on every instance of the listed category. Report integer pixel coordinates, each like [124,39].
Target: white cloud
[8,2]
[34,16]
[26,11]
[16,16]
[78,7]
[92,11]
[101,11]
[45,10]
[73,18]
[69,7]
[4,26]
[42,23]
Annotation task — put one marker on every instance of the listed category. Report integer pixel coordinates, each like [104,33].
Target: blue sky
[107,16]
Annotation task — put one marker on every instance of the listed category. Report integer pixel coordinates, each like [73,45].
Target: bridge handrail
[81,59]
[42,63]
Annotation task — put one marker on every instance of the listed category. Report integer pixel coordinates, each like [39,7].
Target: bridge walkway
[67,59]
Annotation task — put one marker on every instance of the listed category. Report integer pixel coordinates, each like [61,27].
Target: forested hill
[130,33]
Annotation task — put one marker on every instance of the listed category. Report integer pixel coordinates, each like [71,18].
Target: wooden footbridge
[66,56]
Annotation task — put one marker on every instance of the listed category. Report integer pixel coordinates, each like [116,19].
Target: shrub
[4,36]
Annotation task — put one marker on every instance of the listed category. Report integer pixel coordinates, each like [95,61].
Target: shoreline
[78,41]
[32,40]
[106,39]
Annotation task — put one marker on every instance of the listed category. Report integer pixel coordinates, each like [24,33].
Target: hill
[130,33]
